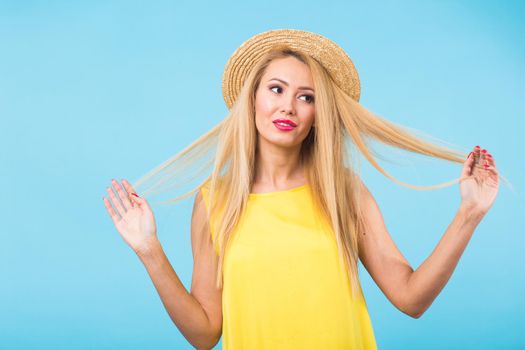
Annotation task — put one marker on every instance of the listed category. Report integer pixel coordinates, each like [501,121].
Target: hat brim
[330,55]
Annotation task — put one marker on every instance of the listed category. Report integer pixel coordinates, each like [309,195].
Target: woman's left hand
[479,181]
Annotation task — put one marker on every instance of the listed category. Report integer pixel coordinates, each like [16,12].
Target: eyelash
[312,99]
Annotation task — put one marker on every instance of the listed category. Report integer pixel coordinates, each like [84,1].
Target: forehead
[289,69]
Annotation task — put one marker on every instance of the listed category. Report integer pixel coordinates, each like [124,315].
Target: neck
[277,166]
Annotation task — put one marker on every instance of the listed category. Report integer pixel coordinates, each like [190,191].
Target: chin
[283,140]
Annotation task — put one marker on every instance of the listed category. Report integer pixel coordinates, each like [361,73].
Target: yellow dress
[283,285]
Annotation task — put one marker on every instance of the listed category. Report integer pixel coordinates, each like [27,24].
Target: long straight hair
[343,127]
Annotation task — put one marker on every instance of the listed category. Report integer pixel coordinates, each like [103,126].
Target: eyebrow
[300,87]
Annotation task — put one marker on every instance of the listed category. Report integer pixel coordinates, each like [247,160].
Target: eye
[311,98]
[275,86]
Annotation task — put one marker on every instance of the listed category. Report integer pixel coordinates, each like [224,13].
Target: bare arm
[380,255]
[411,291]
[198,315]
[184,310]
[425,284]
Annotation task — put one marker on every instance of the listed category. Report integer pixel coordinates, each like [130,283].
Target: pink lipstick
[284,124]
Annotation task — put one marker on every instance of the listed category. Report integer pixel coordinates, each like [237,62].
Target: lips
[285,121]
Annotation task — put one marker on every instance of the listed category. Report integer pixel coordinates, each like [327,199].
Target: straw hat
[325,51]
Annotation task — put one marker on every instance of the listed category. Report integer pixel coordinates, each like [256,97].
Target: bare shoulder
[365,196]
[370,212]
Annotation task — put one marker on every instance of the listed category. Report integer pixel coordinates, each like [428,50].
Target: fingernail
[136,195]
[477,147]
[484,150]
[488,155]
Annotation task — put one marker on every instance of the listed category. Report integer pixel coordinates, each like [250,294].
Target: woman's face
[286,92]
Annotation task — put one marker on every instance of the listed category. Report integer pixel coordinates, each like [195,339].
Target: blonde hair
[324,152]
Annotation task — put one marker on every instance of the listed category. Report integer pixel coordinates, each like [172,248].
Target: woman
[282,220]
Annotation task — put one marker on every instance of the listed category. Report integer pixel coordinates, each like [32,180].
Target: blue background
[96,90]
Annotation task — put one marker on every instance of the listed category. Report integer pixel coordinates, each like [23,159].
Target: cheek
[263,105]
[309,115]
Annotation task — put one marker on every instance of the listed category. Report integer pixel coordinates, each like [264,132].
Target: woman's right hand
[133,217]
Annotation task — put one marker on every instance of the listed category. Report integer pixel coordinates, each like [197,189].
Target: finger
[116,202]
[491,159]
[112,214]
[467,165]
[135,198]
[491,168]
[122,195]
[128,187]
[492,174]
[488,160]
[483,154]
[139,201]
[475,155]
[127,184]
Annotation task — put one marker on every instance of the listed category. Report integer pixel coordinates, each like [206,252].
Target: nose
[288,107]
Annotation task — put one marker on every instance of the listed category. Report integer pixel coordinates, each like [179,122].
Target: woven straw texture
[325,51]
